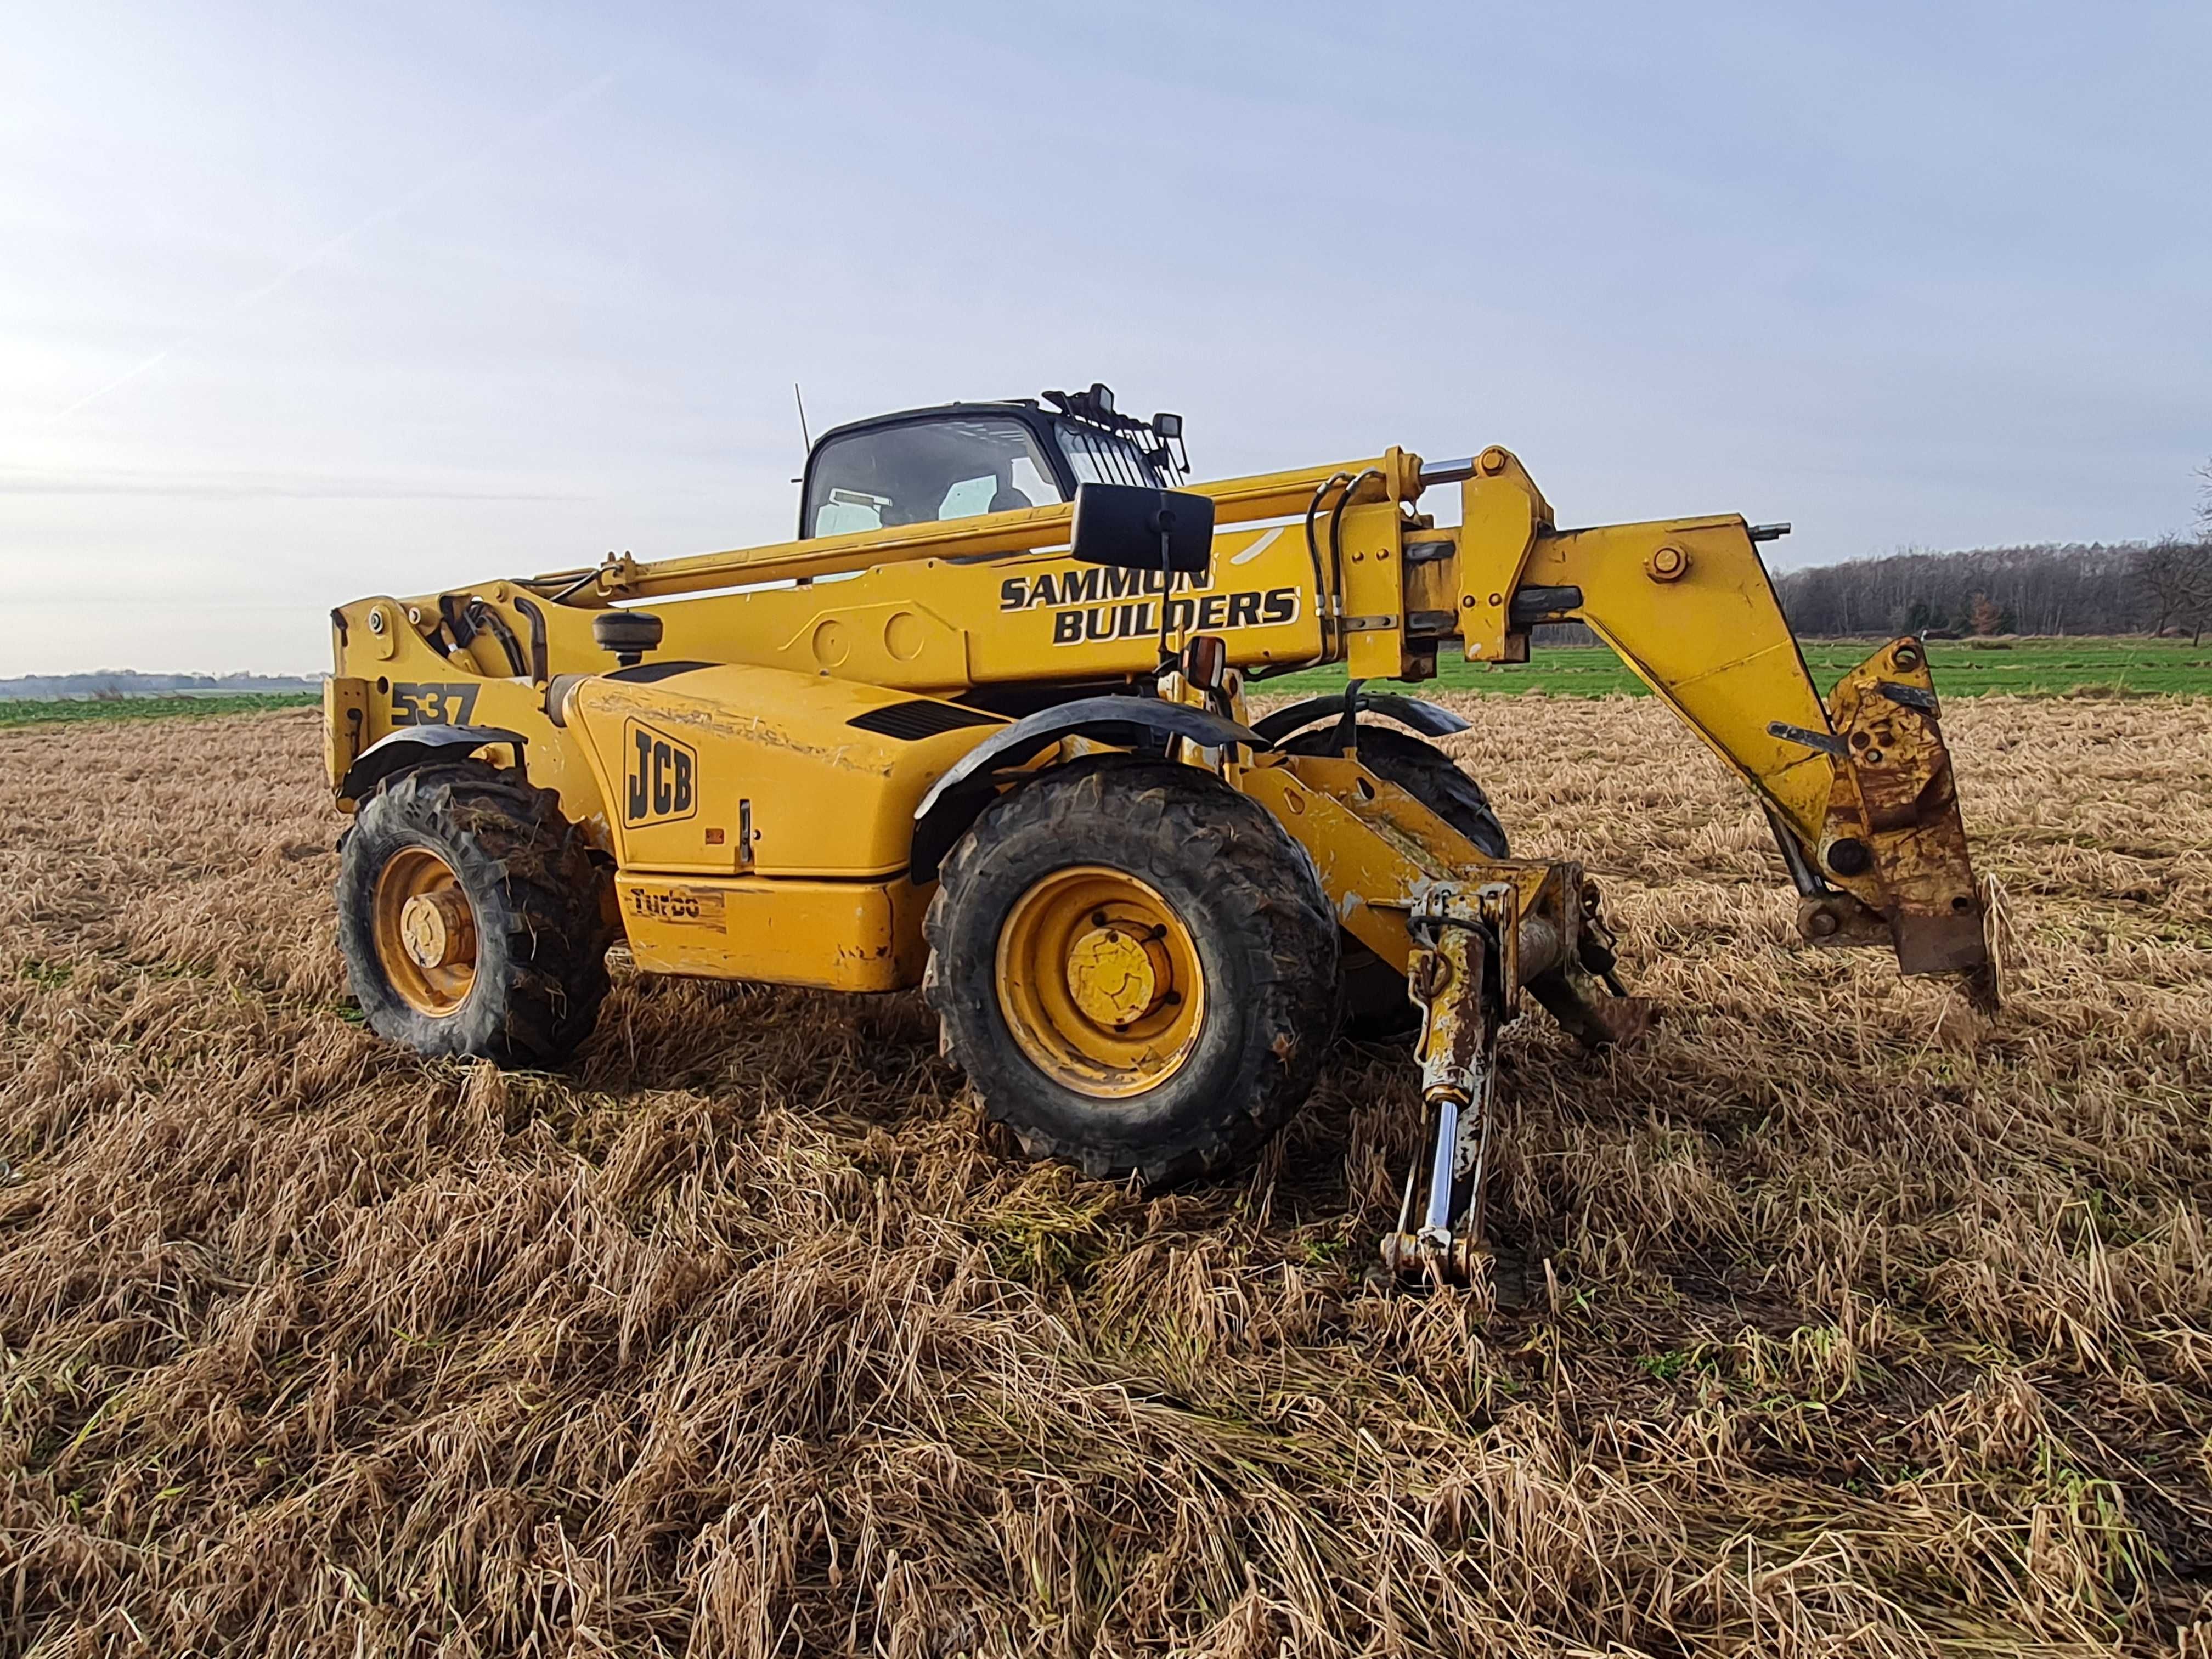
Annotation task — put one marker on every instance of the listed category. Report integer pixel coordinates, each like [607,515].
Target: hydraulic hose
[1336,514]
[484,617]
[1322,593]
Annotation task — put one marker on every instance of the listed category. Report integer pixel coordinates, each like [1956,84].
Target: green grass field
[33,711]
[1964,668]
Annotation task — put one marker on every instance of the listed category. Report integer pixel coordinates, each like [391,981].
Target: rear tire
[1159,885]
[1376,1006]
[469,917]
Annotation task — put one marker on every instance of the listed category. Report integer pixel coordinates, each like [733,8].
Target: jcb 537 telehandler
[982,728]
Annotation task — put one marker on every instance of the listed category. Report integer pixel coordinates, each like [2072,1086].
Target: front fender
[413,745]
[1427,718]
[956,799]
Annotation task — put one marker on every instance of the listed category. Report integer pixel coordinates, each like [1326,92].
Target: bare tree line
[2123,588]
[2054,589]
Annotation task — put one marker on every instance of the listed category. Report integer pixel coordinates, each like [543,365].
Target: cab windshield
[946,467]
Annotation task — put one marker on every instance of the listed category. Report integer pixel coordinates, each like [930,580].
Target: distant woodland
[2127,588]
[129,683]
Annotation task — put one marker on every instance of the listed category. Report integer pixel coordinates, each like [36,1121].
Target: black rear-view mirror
[1137,528]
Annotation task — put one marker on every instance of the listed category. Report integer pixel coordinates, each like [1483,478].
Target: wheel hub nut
[438,929]
[1115,976]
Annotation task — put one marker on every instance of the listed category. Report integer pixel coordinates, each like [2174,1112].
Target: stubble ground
[1837,1322]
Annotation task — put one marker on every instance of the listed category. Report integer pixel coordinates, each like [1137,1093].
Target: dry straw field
[1841,1323]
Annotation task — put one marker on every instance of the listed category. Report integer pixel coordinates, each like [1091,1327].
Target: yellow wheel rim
[1099,981]
[425,932]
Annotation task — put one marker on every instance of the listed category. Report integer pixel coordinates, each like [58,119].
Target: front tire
[469,917]
[1136,967]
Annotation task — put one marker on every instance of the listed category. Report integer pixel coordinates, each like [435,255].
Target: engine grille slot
[912,721]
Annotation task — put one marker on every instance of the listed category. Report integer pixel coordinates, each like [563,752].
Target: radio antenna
[805,437]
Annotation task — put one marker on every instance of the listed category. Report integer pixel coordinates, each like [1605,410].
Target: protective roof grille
[912,721]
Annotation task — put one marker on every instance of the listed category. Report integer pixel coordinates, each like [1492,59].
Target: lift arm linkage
[1236,500]
[1859,789]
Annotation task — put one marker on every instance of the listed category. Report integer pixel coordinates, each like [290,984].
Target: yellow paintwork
[1099,981]
[838,935]
[1373,586]
[1236,500]
[942,628]
[425,930]
[407,683]
[345,724]
[835,627]
[1502,514]
[1376,846]
[1711,642]
[687,765]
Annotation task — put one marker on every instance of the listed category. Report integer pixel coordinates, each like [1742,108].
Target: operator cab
[961,460]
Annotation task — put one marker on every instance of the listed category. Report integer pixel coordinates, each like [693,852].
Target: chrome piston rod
[1464,953]
[1474,949]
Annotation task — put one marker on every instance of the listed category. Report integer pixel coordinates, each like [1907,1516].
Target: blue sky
[297,304]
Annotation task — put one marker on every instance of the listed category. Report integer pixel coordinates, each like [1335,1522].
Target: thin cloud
[251,486]
[422,192]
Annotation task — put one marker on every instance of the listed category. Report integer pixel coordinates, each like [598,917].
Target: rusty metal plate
[1894,813]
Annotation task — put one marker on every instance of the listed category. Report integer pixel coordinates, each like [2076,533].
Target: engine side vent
[651,673]
[912,721]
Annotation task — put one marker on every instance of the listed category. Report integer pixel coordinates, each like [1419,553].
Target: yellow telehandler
[982,727]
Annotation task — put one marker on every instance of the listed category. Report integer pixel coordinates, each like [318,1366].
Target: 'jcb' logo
[662,777]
